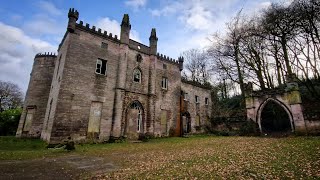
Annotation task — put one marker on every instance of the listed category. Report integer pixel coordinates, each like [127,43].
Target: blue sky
[29,27]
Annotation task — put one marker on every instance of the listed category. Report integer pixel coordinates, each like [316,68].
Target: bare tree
[196,65]
[10,96]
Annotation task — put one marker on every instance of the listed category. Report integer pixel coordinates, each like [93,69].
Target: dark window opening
[197,99]
[164,66]
[139,58]
[104,45]
[206,101]
[101,67]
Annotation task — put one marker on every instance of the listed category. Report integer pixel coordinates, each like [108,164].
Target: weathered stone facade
[288,98]
[99,86]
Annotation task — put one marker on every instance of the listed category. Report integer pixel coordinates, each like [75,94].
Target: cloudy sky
[29,27]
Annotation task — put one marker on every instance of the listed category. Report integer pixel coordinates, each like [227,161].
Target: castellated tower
[31,121]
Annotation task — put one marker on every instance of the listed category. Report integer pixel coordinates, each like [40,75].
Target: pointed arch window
[139,58]
[137,75]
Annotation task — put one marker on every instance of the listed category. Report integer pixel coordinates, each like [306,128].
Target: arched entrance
[134,120]
[274,118]
[286,97]
[186,123]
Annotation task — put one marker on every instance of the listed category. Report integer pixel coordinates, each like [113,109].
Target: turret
[180,61]
[125,29]
[153,40]
[73,16]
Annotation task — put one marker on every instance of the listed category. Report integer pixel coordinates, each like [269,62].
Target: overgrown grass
[202,157]
[12,148]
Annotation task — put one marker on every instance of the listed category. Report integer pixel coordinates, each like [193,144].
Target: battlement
[167,58]
[98,31]
[46,54]
[73,13]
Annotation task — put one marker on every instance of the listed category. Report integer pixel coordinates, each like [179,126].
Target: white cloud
[197,18]
[172,8]
[17,51]
[136,4]
[113,26]
[42,24]
[49,7]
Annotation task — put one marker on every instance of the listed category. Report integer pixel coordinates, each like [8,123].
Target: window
[101,67]
[137,75]
[104,45]
[186,96]
[164,66]
[197,99]
[139,118]
[206,100]
[139,58]
[164,83]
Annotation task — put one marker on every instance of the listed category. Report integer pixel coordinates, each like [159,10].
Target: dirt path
[66,167]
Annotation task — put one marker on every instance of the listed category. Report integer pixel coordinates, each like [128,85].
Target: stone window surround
[164,83]
[101,65]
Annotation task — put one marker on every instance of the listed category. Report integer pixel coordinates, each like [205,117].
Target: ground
[199,157]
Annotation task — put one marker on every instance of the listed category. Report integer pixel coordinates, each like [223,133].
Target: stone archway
[274,116]
[134,124]
[288,98]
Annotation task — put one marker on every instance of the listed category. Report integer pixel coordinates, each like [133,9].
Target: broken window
[164,83]
[101,67]
[197,99]
[206,100]
[104,45]
[137,75]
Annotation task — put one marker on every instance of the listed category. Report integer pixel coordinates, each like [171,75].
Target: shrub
[9,120]
[145,137]
[249,128]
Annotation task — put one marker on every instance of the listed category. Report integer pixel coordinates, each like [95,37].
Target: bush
[249,128]
[9,120]
[116,140]
[145,137]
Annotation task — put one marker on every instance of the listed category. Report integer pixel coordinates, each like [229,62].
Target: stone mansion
[100,86]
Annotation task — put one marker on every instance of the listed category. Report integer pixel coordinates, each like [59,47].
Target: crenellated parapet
[46,54]
[98,31]
[167,58]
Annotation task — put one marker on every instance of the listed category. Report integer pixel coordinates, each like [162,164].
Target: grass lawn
[202,157]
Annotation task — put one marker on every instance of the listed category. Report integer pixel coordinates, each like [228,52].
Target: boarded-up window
[29,118]
[163,121]
[95,117]
[197,120]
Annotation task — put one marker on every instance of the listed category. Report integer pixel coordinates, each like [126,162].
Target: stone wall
[197,109]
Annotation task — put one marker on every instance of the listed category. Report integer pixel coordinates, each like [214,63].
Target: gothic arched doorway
[275,118]
[134,120]
[186,123]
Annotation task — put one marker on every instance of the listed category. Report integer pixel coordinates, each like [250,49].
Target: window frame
[164,83]
[206,101]
[140,74]
[197,99]
[103,66]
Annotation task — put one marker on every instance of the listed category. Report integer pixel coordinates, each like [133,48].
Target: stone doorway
[275,119]
[134,120]
[186,123]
